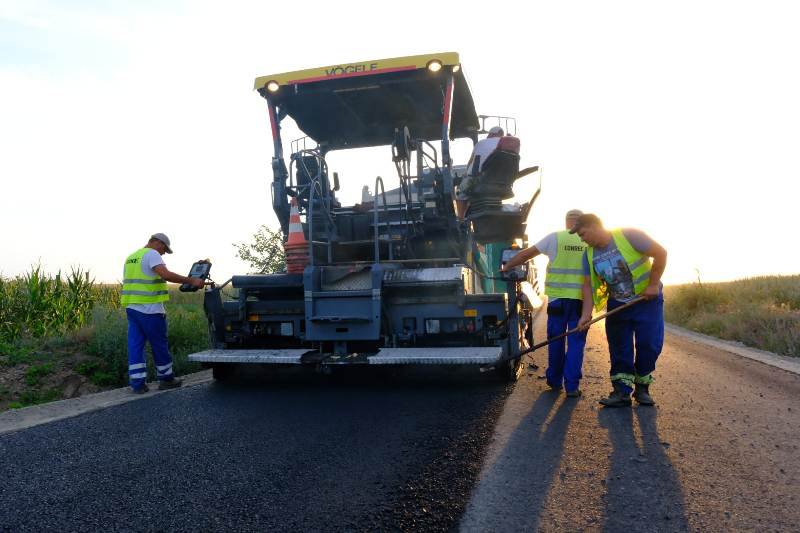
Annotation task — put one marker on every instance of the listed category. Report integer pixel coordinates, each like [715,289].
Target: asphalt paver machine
[396,279]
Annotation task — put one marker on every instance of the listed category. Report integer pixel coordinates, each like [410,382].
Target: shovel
[570,332]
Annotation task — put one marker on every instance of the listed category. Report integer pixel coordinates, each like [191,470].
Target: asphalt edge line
[15,420]
[784,362]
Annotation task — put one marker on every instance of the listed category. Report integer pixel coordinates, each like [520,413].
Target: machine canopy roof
[360,104]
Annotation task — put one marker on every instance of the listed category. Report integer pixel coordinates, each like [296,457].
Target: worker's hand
[583,322]
[651,292]
[509,266]
[197,282]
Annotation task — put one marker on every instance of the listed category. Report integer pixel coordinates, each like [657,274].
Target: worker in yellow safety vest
[563,289]
[144,291]
[616,269]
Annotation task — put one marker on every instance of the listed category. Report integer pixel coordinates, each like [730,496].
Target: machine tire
[223,372]
[510,371]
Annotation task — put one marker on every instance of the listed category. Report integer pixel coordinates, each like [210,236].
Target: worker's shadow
[643,492]
[512,492]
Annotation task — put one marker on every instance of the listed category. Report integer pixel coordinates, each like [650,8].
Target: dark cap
[588,219]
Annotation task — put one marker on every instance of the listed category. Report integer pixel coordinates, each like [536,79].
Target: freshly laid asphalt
[270,457]
[719,452]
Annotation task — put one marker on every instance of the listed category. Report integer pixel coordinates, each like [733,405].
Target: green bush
[109,342]
[15,353]
[35,397]
[35,373]
[187,332]
[107,379]
[87,368]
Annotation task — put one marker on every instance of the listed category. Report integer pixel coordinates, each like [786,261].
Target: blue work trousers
[635,338]
[152,328]
[565,356]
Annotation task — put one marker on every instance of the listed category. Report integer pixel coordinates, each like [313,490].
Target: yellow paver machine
[397,278]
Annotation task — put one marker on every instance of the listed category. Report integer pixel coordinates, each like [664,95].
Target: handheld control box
[519,272]
[201,269]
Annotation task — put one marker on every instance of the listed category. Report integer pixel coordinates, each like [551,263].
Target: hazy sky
[120,119]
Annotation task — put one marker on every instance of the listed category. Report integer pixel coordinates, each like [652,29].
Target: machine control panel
[201,269]
[519,272]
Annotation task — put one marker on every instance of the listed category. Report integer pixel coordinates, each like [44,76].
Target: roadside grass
[761,312]
[187,332]
[67,335]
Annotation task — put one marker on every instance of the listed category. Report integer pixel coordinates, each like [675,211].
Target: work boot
[554,388]
[642,395]
[173,383]
[141,390]
[574,393]
[617,398]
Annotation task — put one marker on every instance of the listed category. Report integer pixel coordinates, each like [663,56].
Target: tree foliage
[265,251]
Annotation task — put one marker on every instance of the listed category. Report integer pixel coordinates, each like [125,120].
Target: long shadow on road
[512,492]
[643,489]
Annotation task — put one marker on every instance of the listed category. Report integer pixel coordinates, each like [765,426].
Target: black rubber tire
[510,371]
[223,372]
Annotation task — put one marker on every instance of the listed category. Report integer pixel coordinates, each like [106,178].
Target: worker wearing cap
[563,287]
[617,269]
[480,152]
[144,291]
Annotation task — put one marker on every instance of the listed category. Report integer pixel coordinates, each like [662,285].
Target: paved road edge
[790,364]
[28,417]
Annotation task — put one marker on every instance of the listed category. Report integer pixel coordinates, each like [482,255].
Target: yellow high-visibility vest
[565,271]
[638,264]
[139,288]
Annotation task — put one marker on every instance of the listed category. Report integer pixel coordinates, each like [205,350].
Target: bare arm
[659,255]
[523,256]
[168,275]
[588,302]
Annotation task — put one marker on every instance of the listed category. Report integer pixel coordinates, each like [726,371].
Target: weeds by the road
[66,335]
[187,333]
[761,312]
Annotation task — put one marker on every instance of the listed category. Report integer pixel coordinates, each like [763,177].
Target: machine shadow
[265,376]
[643,491]
[513,491]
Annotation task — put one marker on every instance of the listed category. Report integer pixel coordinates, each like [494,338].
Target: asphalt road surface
[718,452]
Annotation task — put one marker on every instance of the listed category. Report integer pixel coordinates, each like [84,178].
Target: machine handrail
[504,122]
[435,153]
[295,144]
[316,186]
[375,218]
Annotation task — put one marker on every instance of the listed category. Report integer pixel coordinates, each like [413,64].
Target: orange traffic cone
[296,246]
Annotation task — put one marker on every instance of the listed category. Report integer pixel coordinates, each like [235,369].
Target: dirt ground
[19,388]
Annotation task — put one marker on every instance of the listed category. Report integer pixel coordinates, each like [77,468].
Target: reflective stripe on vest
[638,264]
[139,288]
[565,271]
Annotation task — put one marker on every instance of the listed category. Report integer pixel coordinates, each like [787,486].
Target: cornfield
[38,305]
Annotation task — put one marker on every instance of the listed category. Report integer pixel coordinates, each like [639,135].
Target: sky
[121,119]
